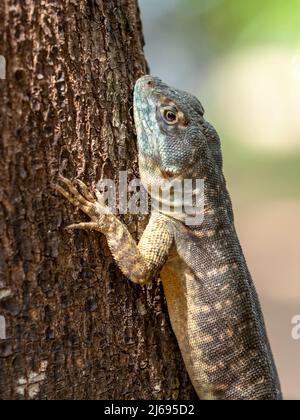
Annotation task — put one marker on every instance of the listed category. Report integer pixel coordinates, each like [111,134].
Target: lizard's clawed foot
[85,201]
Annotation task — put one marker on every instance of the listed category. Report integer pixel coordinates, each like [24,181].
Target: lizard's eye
[170,115]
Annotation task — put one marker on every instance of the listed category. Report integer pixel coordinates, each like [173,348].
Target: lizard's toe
[85,191]
[84,226]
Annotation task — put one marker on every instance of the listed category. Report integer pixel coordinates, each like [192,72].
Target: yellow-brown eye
[170,115]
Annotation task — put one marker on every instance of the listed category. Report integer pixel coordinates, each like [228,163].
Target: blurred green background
[242,59]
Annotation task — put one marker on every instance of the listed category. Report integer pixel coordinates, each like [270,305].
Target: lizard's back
[216,316]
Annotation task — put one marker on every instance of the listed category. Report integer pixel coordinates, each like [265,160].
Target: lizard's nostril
[147,81]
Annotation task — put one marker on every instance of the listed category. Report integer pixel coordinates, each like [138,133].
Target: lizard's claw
[96,209]
[85,191]
[84,200]
[78,200]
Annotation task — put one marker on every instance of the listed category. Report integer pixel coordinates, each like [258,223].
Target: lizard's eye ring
[170,116]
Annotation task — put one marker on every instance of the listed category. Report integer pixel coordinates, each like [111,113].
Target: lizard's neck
[183,197]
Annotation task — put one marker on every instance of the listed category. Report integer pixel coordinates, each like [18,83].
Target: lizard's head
[169,125]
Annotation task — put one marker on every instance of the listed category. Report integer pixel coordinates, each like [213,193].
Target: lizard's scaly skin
[212,302]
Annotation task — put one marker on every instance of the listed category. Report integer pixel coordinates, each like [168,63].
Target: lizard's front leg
[140,263]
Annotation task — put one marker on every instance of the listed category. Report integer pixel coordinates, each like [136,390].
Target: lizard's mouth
[181,174]
[168,174]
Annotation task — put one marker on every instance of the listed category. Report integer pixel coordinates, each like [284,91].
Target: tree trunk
[71,326]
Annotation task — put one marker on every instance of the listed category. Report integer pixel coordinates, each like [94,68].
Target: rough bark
[75,327]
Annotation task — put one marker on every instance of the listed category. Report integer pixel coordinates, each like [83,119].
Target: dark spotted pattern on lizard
[212,302]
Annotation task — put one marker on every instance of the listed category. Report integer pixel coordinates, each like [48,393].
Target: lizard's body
[212,303]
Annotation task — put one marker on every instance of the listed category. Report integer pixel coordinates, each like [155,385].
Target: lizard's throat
[172,194]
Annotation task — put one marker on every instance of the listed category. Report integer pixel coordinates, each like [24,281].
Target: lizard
[211,298]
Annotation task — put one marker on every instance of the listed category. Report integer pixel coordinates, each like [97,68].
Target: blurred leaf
[252,173]
[229,23]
